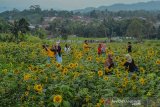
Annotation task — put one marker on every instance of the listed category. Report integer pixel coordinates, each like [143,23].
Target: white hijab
[129,58]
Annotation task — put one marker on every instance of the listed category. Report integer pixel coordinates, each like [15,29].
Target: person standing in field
[99,50]
[103,50]
[86,47]
[59,53]
[67,49]
[53,49]
[129,48]
[49,53]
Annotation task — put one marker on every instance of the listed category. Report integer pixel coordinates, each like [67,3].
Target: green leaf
[66,104]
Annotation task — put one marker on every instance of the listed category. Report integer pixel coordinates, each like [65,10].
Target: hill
[148,6]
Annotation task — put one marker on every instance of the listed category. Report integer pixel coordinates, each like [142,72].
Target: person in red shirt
[99,49]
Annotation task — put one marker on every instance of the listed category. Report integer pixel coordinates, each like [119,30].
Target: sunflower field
[28,80]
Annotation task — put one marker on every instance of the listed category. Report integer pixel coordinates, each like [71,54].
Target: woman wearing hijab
[130,64]
[109,62]
[67,49]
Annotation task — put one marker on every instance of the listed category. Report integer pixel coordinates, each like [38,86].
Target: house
[49,19]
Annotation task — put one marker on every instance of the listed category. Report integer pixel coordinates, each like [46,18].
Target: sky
[61,4]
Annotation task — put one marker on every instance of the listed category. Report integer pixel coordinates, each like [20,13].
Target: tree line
[108,27]
[138,24]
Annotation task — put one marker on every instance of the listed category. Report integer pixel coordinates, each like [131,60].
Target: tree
[4,26]
[35,8]
[41,33]
[93,14]
[135,29]
[64,33]
[158,33]
[21,26]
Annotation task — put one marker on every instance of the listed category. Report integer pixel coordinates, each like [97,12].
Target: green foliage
[4,26]
[91,24]
[7,37]
[19,28]
[32,39]
[39,32]
[81,85]
[135,29]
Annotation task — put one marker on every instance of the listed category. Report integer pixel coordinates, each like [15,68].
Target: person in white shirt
[67,49]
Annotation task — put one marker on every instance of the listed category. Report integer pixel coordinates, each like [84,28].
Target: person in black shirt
[129,48]
[58,53]
[129,64]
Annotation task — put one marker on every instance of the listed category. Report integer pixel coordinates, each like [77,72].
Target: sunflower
[118,74]
[16,71]
[57,99]
[97,59]
[117,58]
[134,87]
[142,81]
[78,56]
[58,65]
[105,78]
[76,65]
[71,65]
[35,68]
[38,87]
[100,73]
[142,70]
[65,70]
[151,53]
[120,90]
[28,87]
[26,93]
[53,61]
[124,84]
[122,63]
[53,76]
[98,105]
[158,62]
[26,77]
[48,65]
[125,79]
[107,69]
[30,68]
[89,58]
[76,74]
[102,101]
[111,53]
